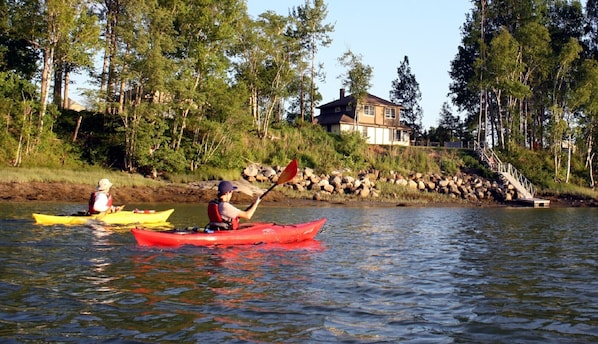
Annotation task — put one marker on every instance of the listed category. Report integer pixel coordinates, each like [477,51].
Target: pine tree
[405,92]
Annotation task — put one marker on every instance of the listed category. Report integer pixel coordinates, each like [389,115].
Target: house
[74,105]
[378,120]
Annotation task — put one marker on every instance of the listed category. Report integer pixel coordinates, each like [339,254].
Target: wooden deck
[535,202]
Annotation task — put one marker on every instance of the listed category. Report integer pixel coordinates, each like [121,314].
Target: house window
[337,109]
[364,131]
[369,110]
[396,135]
[348,108]
[389,113]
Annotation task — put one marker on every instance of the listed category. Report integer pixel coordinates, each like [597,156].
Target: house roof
[74,105]
[335,119]
[348,99]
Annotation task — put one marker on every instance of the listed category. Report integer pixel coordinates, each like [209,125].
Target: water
[409,275]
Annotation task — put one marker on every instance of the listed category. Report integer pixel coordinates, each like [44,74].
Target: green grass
[560,189]
[91,177]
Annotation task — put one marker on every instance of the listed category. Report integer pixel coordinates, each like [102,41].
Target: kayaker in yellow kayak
[100,201]
[222,211]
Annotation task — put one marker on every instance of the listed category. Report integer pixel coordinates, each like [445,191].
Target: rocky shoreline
[463,186]
[461,190]
[308,189]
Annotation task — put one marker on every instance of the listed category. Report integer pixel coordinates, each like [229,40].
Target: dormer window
[369,110]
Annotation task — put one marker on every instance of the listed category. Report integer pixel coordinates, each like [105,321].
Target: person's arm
[247,214]
[229,211]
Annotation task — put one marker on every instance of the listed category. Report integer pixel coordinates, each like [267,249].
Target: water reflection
[212,287]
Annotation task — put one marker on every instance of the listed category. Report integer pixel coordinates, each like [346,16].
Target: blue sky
[383,32]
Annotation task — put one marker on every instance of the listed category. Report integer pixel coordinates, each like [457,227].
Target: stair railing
[525,183]
[490,158]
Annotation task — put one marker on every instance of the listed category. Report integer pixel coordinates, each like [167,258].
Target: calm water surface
[408,275]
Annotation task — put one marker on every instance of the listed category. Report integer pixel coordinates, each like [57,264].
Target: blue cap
[225,187]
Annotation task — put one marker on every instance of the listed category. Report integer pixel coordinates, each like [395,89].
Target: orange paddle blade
[289,173]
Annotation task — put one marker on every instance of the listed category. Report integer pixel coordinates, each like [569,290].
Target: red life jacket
[215,217]
[92,200]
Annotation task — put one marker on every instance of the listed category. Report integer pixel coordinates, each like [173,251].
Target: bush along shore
[375,185]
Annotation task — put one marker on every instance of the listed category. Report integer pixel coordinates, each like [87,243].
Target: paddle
[287,174]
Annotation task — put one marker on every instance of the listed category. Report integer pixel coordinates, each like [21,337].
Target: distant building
[378,120]
[73,105]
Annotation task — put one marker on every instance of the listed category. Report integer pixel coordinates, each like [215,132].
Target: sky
[383,32]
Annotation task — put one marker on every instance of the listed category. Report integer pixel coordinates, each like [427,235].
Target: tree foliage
[177,85]
[311,33]
[358,77]
[405,91]
[521,75]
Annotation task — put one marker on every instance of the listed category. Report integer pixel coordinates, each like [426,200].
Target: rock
[364,193]
[251,170]
[268,172]
[461,185]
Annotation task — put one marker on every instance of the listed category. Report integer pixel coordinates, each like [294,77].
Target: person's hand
[114,209]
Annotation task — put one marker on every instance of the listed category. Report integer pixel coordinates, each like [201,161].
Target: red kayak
[248,234]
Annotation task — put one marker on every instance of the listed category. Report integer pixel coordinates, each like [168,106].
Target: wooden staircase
[525,189]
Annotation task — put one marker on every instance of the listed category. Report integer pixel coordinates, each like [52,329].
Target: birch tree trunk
[45,89]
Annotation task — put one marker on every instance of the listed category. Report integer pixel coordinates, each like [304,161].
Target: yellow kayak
[122,217]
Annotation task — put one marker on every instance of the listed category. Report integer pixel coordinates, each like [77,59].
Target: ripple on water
[373,275]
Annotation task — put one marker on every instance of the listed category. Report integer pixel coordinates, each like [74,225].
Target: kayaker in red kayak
[222,211]
[101,200]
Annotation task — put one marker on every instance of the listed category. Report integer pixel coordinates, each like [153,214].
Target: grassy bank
[90,177]
[405,160]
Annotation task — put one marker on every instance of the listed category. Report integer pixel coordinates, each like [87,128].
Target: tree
[449,126]
[561,110]
[357,79]
[17,53]
[591,28]
[465,89]
[75,50]
[267,53]
[311,33]
[43,24]
[536,55]
[405,91]
[504,69]
[202,61]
